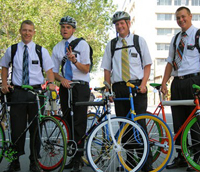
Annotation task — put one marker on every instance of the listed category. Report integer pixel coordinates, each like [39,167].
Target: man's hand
[142,89]
[164,89]
[65,82]
[5,89]
[51,87]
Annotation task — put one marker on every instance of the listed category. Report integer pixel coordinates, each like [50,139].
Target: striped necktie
[180,50]
[25,75]
[68,67]
[125,62]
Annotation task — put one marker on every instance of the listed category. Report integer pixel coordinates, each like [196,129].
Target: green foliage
[93,21]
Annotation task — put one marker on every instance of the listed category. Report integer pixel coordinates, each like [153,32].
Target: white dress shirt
[83,57]
[35,74]
[191,58]
[136,68]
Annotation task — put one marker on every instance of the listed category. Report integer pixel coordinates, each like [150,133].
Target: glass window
[164,2]
[196,17]
[164,31]
[162,47]
[181,2]
[164,17]
[161,61]
[176,31]
[195,2]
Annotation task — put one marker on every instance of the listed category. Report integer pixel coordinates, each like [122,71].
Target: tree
[92,16]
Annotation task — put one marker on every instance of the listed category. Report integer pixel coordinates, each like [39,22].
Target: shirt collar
[189,31]
[70,39]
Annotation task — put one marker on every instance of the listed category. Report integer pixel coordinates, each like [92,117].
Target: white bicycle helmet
[120,15]
[68,20]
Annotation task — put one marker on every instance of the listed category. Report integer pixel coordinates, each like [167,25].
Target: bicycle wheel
[50,148]
[2,142]
[91,120]
[191,143]
[160,140]
[109,156]
[64,125]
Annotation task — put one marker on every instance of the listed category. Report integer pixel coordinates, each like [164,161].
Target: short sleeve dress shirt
[35,74]
[83,57]
[191,58]
[136,68]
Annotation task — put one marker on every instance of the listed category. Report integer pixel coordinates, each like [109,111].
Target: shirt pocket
[134,57]
[35,65]
[192,53]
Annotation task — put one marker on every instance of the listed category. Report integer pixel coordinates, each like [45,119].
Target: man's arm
[147,70]
[4,77]
[50,78]
[167,74]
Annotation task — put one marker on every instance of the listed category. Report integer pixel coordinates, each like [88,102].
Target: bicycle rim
[160,140]
[111,157]
[50,152]
[190,145]
[2,142]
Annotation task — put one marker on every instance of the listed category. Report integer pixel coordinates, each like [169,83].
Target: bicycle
[50,146]
[189,146]
[108,136]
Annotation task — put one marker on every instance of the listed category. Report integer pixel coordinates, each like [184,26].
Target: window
[176,31]
[163,47]
[181,2]
[164,31]
[164,2]
[161,61]
[196,17]
[163,17]
[195,2]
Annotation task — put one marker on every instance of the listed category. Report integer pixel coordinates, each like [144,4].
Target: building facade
[155,21]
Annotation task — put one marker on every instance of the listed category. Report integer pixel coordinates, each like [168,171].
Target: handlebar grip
[128,84]
[196,86]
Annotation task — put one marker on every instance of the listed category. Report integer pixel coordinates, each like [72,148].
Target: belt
[34,86]
[137,81]
[81,82]
[187,76]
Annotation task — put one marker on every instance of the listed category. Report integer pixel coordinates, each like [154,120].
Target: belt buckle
[181,77]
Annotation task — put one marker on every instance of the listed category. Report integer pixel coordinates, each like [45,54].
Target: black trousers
[181,89]
[19,115]
[80,92]
[123,107]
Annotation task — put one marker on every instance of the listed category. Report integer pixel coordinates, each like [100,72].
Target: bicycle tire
[189,145]
[91,120]
[2,142]
[64,125]
[50,151]
[160,139]
[108,158]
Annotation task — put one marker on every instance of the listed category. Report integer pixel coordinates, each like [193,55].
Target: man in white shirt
[186,72]
[74,68]
[139,71]
[18,113]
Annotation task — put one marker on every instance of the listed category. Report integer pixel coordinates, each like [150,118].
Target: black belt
[137,81]
[34,86]
[81,82]
[187,76]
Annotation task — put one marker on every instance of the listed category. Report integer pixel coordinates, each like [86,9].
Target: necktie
[68,68]
[25,75]
[125,62]
[179,51]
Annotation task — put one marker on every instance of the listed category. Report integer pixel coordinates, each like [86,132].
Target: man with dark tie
[183,63]
[26,70]
[74,67]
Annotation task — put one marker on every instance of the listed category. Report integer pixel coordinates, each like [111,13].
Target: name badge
[34,61]
[190,47]
[133,54]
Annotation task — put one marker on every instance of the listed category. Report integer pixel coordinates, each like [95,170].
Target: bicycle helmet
[68,20]
[120,15]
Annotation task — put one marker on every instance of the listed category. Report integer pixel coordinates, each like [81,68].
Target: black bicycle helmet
[120,15]
[68,20]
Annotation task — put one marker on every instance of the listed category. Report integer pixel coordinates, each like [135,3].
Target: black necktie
[25,75]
